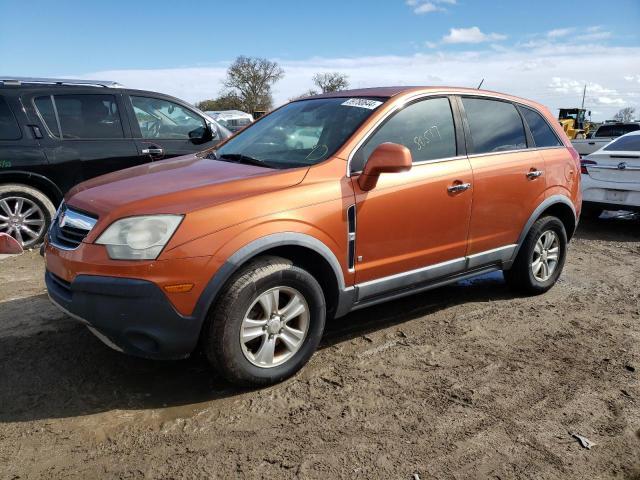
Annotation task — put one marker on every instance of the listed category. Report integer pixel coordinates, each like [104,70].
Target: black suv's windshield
[299,134]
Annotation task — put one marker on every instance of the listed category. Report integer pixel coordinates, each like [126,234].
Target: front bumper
[130,315]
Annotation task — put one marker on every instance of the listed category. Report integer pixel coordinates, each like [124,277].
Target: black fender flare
[241,256]
[544,205]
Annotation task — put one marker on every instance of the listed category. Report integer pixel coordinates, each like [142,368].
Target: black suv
[57,133]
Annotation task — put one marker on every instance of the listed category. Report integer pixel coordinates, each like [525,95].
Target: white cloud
[471,35]
[420,7]
[553,75]
[588,37]
[559,32]
[595,93]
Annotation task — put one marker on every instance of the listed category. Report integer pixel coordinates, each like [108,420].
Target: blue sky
[184,47]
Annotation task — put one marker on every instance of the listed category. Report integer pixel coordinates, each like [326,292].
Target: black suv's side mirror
[202,135]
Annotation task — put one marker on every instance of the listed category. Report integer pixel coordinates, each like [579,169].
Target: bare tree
[625,115]
[251,79]
[331,81]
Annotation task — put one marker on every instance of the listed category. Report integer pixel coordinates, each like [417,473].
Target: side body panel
[503,197]
[410,220]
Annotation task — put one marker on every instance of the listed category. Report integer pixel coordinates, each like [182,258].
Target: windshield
[301,133]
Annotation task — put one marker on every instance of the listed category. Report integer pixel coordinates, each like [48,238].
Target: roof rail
[7,80]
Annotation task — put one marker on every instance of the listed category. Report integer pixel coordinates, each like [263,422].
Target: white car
[611,176]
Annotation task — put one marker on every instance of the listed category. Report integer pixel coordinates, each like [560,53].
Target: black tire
[520,277]
[11,191]
[221,335]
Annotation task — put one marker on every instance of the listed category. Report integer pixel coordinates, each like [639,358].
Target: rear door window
[81,116]
[425,127]
[88,116]
[9,128]
[496,126]
[543,135]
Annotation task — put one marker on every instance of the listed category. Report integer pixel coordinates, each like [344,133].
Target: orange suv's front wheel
[267,324]
[541,257]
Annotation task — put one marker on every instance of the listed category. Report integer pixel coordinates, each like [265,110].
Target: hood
[179,185]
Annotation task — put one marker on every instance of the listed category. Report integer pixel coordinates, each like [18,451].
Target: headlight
[139,238]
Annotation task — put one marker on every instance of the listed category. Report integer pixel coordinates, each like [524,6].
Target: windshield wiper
[246,159]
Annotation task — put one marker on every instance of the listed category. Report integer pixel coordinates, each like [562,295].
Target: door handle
[458,187]
[152,151]
[533,174]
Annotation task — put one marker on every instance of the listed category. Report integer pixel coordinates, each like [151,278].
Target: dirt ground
[468,381]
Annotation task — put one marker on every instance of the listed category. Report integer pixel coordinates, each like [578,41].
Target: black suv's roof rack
[57,81]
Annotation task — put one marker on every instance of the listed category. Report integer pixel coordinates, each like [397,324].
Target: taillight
[583,165]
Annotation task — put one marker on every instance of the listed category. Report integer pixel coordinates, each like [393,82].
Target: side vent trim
[351,237]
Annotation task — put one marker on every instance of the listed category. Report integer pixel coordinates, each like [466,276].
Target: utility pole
[584,92]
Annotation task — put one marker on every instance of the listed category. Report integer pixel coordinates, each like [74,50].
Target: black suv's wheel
[267,324]
[541,257]
[25,214]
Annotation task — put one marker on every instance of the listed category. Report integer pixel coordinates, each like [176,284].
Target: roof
[20,81]
[388,92]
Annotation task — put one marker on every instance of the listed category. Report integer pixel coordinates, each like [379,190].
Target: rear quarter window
[9,128]
[496,126]
[543,134]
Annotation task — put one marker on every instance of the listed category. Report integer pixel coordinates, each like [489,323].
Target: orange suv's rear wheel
[267,324]
[541,257]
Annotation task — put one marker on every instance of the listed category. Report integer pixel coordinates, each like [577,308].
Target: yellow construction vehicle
[574,122]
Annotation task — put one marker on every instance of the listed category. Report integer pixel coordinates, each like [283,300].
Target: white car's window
[630,143]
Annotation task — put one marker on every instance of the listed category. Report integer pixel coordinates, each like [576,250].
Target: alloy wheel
[546,255]
[274,327]
[23,219]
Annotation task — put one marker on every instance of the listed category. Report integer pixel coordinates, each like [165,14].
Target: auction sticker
[362,103]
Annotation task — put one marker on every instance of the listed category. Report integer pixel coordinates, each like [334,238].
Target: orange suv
[328,204]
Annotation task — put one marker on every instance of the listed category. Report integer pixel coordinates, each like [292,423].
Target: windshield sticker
[362,103]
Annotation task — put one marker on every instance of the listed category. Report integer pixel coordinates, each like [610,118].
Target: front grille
[70,227]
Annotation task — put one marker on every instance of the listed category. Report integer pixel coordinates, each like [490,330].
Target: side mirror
[385,158]
[202,135]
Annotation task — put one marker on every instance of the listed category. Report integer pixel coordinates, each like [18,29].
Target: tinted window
[88,116]
[163,119]
[616,130]
[495,126]
[426,128]
[543,135]
[48,114]
[630,143]
[9,129]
